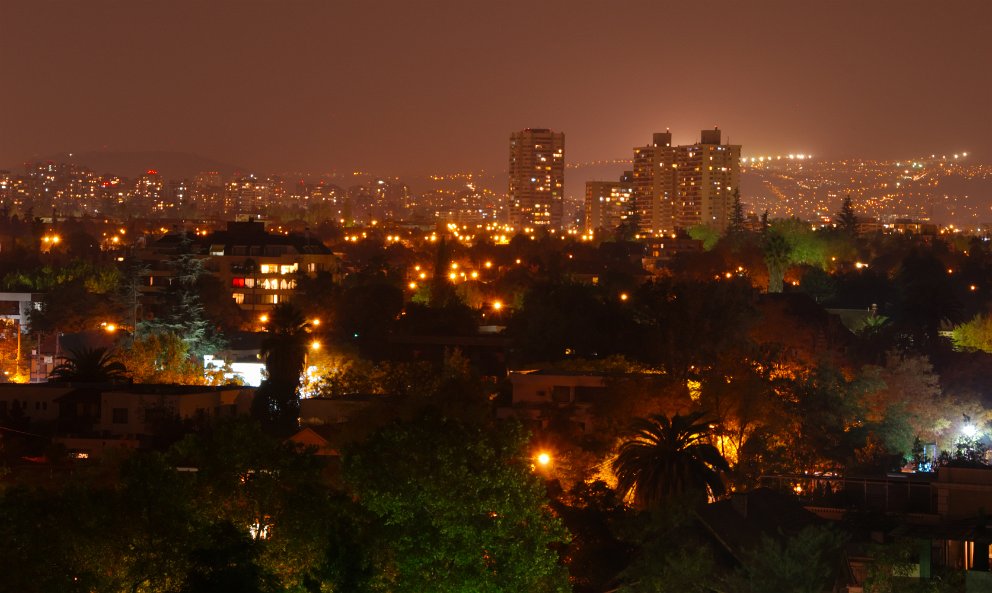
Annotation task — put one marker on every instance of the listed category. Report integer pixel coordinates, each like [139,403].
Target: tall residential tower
[677,187]
[537,178]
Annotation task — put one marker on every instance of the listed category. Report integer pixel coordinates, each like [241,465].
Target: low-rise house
[134,410]
[119,410]
[541,396]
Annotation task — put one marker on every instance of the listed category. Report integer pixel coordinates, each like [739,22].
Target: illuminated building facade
[251,195]
[654,185]
[708,174]
[609,204]
[537,178]
[259,268]
[678,187]
[149,191]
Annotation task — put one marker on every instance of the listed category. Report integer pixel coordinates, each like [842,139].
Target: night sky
[421,87]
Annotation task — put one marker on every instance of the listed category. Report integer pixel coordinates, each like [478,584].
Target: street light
[543,459]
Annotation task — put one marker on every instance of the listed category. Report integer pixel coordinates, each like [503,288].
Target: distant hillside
[171,165]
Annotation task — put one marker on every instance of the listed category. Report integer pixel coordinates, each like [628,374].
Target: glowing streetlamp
[497,305]
[543,459]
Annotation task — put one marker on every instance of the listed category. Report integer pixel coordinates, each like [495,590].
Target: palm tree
[777,253]
[90,365]
[284,351]
[668,457]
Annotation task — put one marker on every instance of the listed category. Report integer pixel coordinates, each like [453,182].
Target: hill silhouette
[171,165]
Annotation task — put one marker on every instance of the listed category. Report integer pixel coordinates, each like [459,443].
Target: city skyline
[428,88]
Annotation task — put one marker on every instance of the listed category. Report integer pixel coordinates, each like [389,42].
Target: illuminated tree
[184,314]
[806,246]
[161,357]
[669,457]
[974,335]
[778,254]
[705,233]
[456,508]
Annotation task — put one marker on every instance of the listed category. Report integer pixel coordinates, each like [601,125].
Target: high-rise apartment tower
[537,178]
[677,187]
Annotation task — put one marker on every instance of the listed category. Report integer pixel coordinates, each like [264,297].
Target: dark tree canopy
[90,365]
[847,219]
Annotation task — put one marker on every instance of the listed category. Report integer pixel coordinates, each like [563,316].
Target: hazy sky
[417,86]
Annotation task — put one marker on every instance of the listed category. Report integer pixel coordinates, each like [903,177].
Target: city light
[969,430]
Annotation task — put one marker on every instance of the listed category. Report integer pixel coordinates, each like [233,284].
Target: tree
[736,225]
[559,320]
[672,553]
[456,507]
[705,233]
[974,335]
[846,219]
[806,562]
[90,365]
[284,351]
[71,307]
[161,357]
[926,300]
[184,315]
[365,314]
[689,324]
[778,254]
[666,458]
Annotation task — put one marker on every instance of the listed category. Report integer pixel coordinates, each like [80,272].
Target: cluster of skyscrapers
[669,188]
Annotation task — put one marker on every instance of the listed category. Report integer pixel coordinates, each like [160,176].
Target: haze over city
[418,88]
[527,296]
